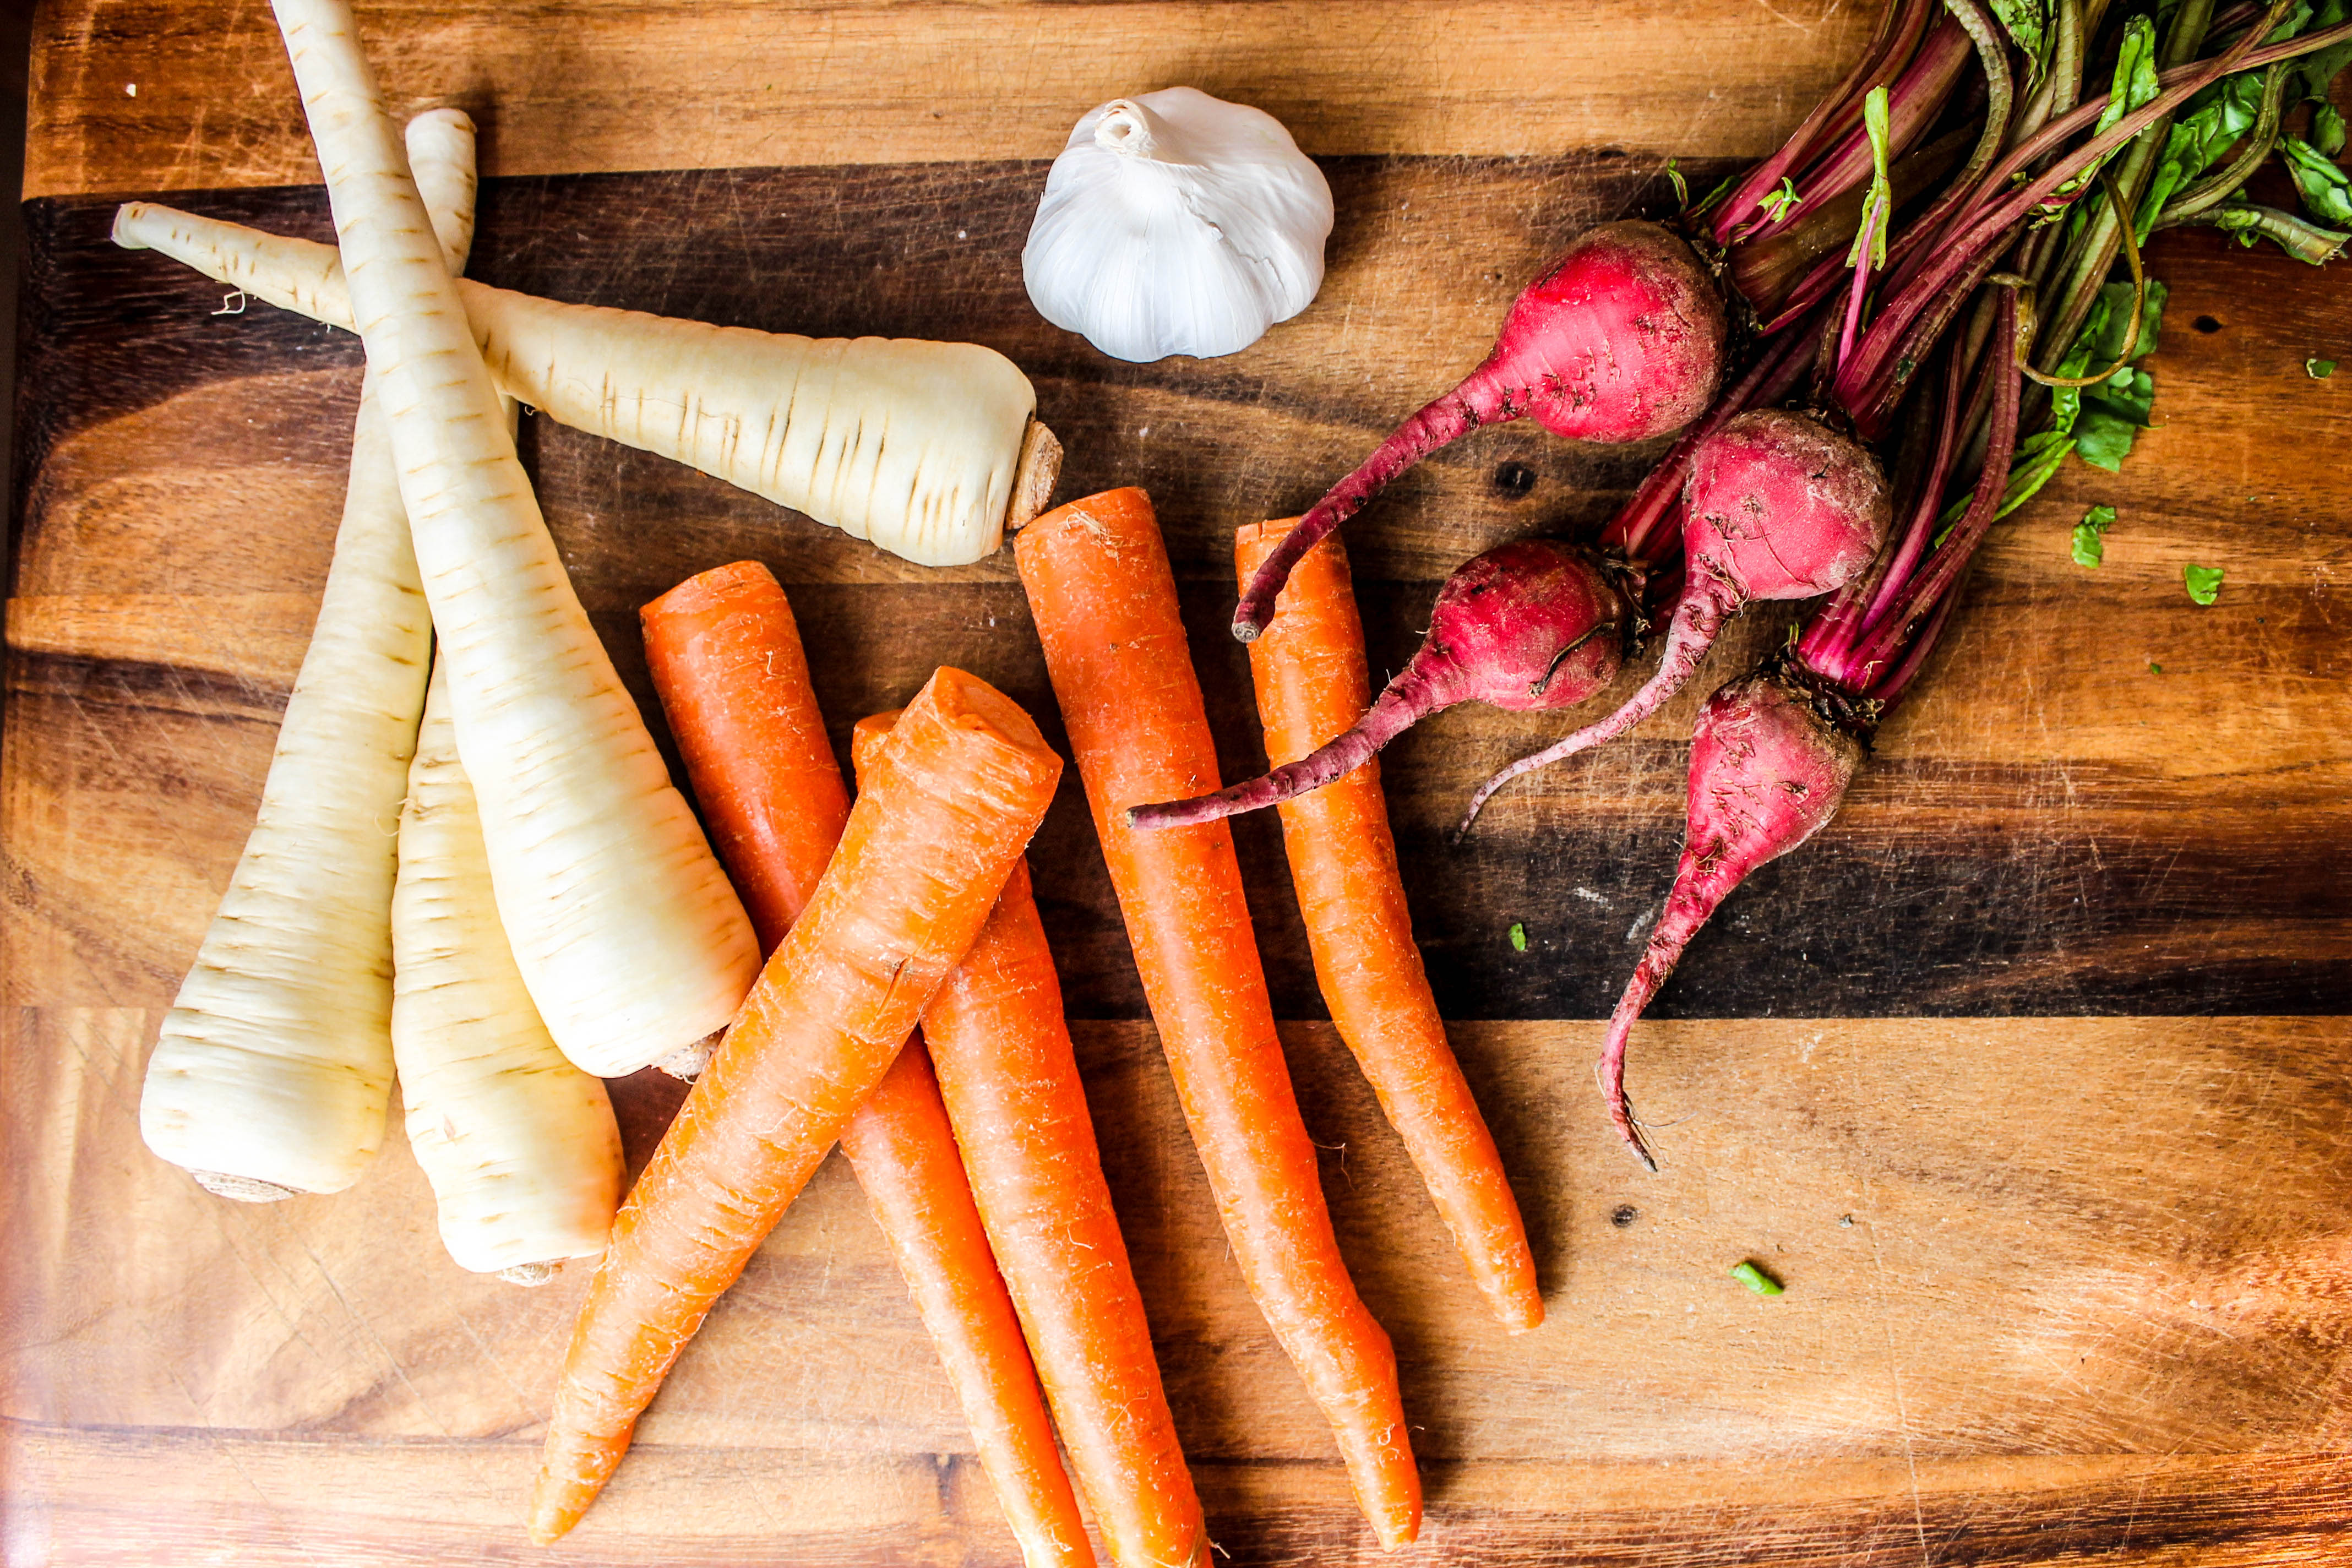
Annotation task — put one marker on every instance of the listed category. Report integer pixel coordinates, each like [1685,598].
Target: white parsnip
[274,1068]
[630,940]
[930,450]
[520,1145]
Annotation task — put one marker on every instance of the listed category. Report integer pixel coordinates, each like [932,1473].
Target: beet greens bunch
[1935,251]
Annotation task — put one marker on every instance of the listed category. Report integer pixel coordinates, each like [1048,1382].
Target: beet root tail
[1408,697]
[1706,602]
[1696,893]
[1478,400]
[1766,772]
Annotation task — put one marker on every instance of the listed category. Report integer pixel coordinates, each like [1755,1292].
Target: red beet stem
[1899,29]
[1766,772]
[1707,601]
[1481,399]
[1418,690]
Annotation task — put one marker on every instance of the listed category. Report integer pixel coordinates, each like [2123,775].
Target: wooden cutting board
[2028,1076]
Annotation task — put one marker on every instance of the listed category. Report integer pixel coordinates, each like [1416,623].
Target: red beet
[1531,624]
[1777,507]
[1767,771]
[1619,339]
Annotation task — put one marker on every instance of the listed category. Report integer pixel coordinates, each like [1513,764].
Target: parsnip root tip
[1034,477]
[532,1275]
[686,1063]
[124,217]
[244,1189]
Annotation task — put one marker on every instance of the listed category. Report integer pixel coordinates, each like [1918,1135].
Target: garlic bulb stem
[1129,129]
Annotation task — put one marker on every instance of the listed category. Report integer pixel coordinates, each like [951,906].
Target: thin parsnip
[927,847]
[626,931]
[930,450]
[274,1068]
[519,1144]
[1313,684]
[727,666]
[1103,598]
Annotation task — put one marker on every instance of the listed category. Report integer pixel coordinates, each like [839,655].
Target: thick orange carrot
[1010,1079]
[955,798]
[904,1153]
[1104,599]
[1312,684]
[727,664]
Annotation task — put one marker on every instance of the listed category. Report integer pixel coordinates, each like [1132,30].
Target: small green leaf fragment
[2319,369]
[1881,200]
[2204,583]
[1518,937]
[1783,201]
[1681,185]
[2327,130]
[1752,1276]
[2154,667]
[2090,547]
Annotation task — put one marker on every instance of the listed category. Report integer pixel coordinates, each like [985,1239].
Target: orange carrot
[1011,1081]
[955,798]
[904,1153]
[727,664]
[1312,684]
[1104,599]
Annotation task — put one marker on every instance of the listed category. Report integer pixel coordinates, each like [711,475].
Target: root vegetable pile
[490,886]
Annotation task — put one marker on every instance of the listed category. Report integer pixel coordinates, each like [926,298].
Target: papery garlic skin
[1175,223]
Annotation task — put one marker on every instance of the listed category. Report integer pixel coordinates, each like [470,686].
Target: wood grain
[2008,1316]
[564,87]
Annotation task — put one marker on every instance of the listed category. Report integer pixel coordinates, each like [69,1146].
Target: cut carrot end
[1092,513]
[707,588]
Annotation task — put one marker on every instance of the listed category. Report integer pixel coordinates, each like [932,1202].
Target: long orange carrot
[1312,684]
[904,1153]
[1104,599]
[727,663]
[955,798]
[1010,1079]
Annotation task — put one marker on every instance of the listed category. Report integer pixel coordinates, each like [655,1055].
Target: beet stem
[1480,400]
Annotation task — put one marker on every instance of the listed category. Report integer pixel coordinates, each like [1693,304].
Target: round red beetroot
[1767,771]
[1782,508]
[1619,339]
[1531,624]
[1777,507]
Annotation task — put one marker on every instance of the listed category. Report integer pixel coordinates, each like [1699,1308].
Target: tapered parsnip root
[630,938]
[273,1073]
[520,1145]
[930,450]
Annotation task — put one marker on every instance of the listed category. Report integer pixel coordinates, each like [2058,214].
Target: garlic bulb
[1176,222]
